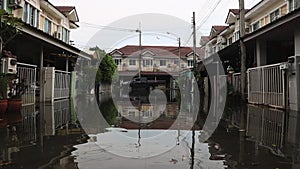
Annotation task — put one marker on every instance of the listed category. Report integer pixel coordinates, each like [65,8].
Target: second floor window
[47,26]
[65,35]
[294,4]
[255,26]
[118,61]
[162,62]
[132,62]
[1,4]
[237,35]
[190,63]
[147,63]
[230,41]
[274,15]
[31,15]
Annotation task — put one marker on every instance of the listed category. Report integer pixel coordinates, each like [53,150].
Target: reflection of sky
[160,145]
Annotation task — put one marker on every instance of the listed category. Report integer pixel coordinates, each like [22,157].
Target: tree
[107,68]
[8,28]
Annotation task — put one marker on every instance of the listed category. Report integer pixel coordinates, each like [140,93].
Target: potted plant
[4,81]
[16,89]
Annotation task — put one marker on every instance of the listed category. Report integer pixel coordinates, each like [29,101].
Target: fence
[29,123]
[62,114]
[27,73]
[62,84]
[266,85]
[266,126]
[235,81]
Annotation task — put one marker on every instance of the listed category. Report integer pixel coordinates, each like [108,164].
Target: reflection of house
[144,110]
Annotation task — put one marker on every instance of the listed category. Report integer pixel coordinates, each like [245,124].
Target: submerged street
[53,137]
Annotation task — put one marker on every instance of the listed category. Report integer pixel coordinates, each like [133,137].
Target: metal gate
[62,84]
[27,74]
[266,85]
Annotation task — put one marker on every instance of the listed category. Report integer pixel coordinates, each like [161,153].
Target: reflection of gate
[266,85]
[62,114]
[27,73]
[266,127]
[62,84]
[29,123]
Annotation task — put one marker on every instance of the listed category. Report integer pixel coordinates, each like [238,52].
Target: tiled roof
[65,8]
[219,28]
[132,50]
[205,38]
[237,11]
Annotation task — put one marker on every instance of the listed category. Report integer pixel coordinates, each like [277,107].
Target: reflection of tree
[109,111]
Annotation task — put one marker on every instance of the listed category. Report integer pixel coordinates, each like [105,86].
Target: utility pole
[194,40]
[243,49]
[140,46]
[179,53]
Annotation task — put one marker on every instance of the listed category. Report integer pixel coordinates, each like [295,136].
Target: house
[154,58]
[272,38]
[263,14]
[44,43]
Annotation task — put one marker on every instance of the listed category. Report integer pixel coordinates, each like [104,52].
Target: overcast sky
[109,12]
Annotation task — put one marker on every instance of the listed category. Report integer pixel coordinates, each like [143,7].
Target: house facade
[261,15]
[43,45]
[154,58]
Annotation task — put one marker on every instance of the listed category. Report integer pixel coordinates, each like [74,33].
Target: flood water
[135,135]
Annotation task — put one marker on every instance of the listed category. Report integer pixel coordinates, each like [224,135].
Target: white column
[261,53]
[49,74]
[297,42]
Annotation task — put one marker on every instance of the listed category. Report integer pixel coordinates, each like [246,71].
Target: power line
[109,27]
[209,14]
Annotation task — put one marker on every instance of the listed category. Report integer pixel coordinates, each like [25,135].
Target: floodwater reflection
[52,136]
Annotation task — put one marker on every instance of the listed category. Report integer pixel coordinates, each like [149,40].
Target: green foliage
[8,27]
[109,111]
[107,68]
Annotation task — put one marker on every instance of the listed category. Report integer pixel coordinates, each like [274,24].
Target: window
[274,15]
[190,63]
[47,26]
[1,4]
[65,35]
[237,35]
[147,63]
[255,26]
[230,41]
[147,113]
[118,62]
[31,15]
[25,14]
[294,4]
[132,62]
[162,62]
[131,114]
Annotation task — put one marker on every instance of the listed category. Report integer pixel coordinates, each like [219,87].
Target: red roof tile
[132,50]
[237,11]
[65,8]
[219,28]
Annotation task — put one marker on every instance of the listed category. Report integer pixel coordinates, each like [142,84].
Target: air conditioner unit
[8,65]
